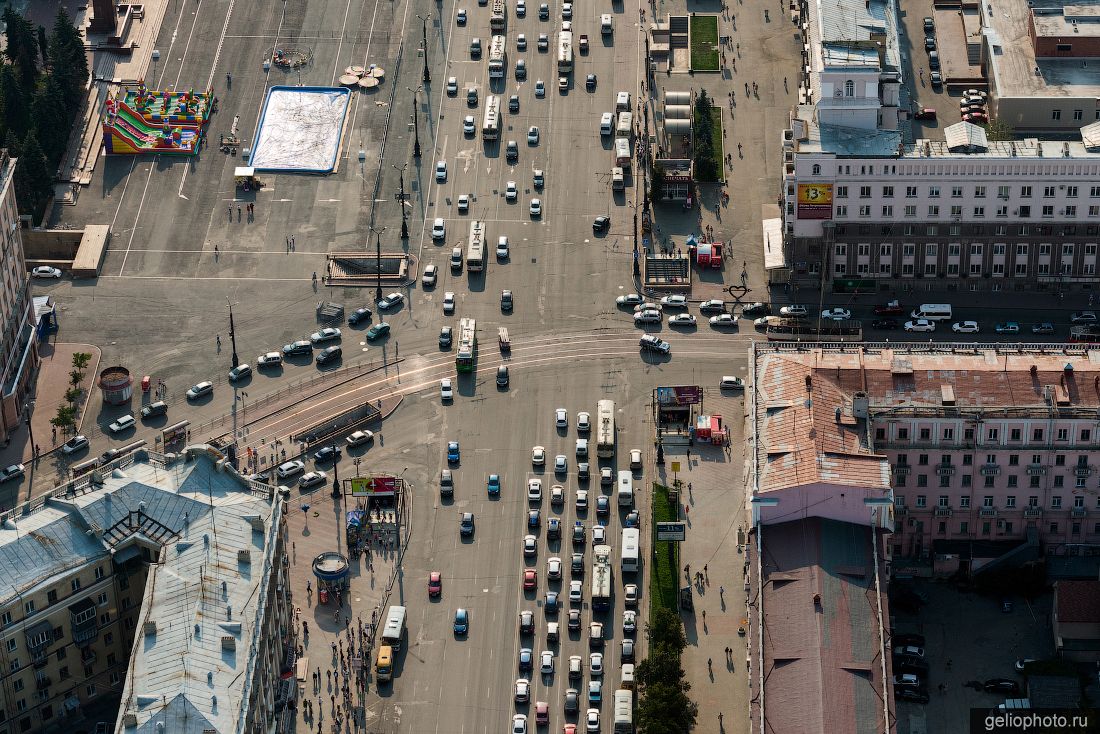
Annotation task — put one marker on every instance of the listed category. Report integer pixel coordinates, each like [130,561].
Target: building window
[925,434]
[888,192]
[102,598]
[992,434]
[865,192]
[90,691]
[903,434]
[887,211]
[1056,114]
[910,192]
[1033,482]
[963,527]
[1010,501]
[109,638]
[865,211]
[966,480]
[1086,434]
[922,459]
[75,584]
[842,192]
[850,89]
[1063,434]
[1053,528]
[12,645]
[1056,502]
[28,607]
[956,192]
[945,481]
[51,596]
[816,170]
[98,573]
[5,619]
[922,501]
[964,501]
[1059,460]
[989,481]
[1059,481]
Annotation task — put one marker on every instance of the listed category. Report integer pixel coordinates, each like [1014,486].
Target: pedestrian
[704,616]
[238,212]
[705,571]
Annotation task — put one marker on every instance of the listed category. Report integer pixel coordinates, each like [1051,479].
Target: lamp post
[232,333]
[637,266]
[427,77]
[378,252]
[416,123]
[27,410]
[335,472]
[401,199]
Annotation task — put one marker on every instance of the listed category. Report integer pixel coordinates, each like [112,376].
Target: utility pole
[232,333]
[401,198]
[427,77]
[378,251]
[416,123]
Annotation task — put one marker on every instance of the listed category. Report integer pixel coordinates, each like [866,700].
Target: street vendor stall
[245,178]
[709,428]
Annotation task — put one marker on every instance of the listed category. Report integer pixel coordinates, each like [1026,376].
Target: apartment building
[18,344]
[117,586]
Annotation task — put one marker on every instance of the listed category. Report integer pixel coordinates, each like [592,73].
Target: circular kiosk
[331,571]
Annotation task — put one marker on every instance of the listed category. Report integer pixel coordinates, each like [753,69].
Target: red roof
[1077,601]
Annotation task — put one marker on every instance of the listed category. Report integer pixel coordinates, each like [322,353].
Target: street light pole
[335,472]
[232,333]
[427,77]
[401,198]
[378,252]
[416,123]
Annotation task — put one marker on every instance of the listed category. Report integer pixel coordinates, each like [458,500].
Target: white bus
[624,128]
[601,578]
[624,712]
[499,16]
[490,129]
[631,559]
[498,57]
[565,52]
[625,493]
[394,630]
[605,429]
[475,251]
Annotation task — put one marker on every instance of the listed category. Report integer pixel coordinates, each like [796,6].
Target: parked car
[794,310]
[76,443]
[1044,328]
[124,423]
[925,113]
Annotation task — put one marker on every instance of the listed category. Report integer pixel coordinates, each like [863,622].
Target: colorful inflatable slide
[151,121]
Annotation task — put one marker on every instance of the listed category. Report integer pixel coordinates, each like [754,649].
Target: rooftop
[1077,601]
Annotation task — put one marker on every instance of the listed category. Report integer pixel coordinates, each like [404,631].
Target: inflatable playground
[157,121]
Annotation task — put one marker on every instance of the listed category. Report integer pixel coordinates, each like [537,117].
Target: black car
[302,346]
[910,664]
[590,82]
[890,324]
[917,695]
[513,103]
[446,336]
[329,354]
[756,309]
[1002,685]
[360,314]
[527,622]
[328,453]
[576,565]
[906,639]
[601,224]
[512,152]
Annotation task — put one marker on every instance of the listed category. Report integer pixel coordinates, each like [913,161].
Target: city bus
[605,429]
[624,712]
[1084,333]
[790,330]
[475,250]
[394,630]
[565,52]
[383,666]
[467,345]
[498,17]
[498,58]
[490,129]
[631,559]
[601,578]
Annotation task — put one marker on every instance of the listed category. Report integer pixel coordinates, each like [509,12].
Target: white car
[647,317]
[794,310]
[607,476]
[502,247]
[271,358]
[523,690]
[511,193]
[630,622]
[327,334]
[584,422]
[441,171]
[74,444]
[592,721]
[630,595]
[567,10]
[124,423]
[468,125]
[553,568]
[45,271]
[530,545]
[561,418]
[449,302]
[682,319]
[965,327]
[546,664]
[533,135]
[560,464]
[197,391]
[359,438]
[536,207]
[648,306]
[920,325]
[599,535]
[538,456]
[675,301]
[519,724]
[312,479]
[635,458]
[576,592]
[439,229]
[431,275]
[630,299]
[521,8]
[521,42]
[534,490]
[836,314]
[446,390]
[595,663]
[582,499]
[391,300]
[567,26]
[712,305]
[452,86]
[557,494]
[723,320]
[463,203]
[239,372]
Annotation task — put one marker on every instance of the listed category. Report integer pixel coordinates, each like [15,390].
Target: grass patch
[665,576]
[716,139]
[704,43]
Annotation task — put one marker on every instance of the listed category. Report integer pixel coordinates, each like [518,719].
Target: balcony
[945,470]
[943,512]
[82,616]
[1034,470]
[988,512]
[1033,512]
[990,470]
[902,469]
[88,656]
[43,682]
[1082,471]
[1078,512]
[901,510]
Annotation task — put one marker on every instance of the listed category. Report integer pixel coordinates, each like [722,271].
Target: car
[553,568]
[557,494]
[536,207]
[929,43]
[630,622]
[446,337]
[502,247]
[538,456]
[534,518]
[977,98]
[756,309]
[911,694]
[572,700]
[975,117]
[463,203]
[462,621]
[327,334]
[530,577]
[466,523]
[469,127]
[521,42]
[632,520]
[731,382]
[522,690]
[920,325]
[648,306]
[546,662]
[635,458]
[511,151]
[492,486]
[1002,685]
[533,135]
[357,316]
[513,103]
[603,505]
[540,89]
[630,595]
[567,26]
[887,324]
[542,709]
[910,680]
[929,25]
[925,113]
[599,532]
[327,453]
[76,443]
[836,314]
[674,301]
[794,310]
[574,622]
[590,82]
[391,300]
[583,471]
[106,456]
[1083,317]
[527,622]
[648,316]
[329,354]
[595,663]
[723,320]
[965,327]
[449,302]
[567,10]
[454,454]
[441,171]
[45,271]
[519,724]
[576,592]
[511,192]
[435,584]
[534,489]
[452,86]
[543,42]
[576,560]
[312,479]
[627,650]
[1007,327]
[378,331]
[544,12]
[431,275]
[712,305]
[595,692]
[446,483]
[630,299]
[1043,328]
[914,650]
[561,464]
[446,389]
[936,78]
[289,468]
[197,391]
[584,422]
[269,359]
[456,259]
[582,499]
[681,319]
[910,664]
[460,17]
[893,308]
[561,418]
[933,59]
[578,534]
[475,48]
[592,721]
[521,69]
[601,224]
[1022,663]
[538,179]
[124,423]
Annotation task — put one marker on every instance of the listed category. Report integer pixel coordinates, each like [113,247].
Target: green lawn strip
[704,43]
[664,576]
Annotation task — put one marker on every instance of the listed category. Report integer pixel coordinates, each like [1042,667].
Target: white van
[607,123]
[618,183]
[622,102]
[624,128]
[605,25]
[625,492]
[933,312]
[582,448]
[628,677]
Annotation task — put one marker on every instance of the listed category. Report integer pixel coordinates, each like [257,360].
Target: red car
[925,113]
[542,713]
[569,729]
[530,579]
[435,584]
[975,117]
[893,308]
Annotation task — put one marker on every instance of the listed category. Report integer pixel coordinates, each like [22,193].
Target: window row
[977,212]
[992,433]
[980,191]
[944,500]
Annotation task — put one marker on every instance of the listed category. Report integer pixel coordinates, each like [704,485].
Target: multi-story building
[867,206]
[140,583]
[18,345]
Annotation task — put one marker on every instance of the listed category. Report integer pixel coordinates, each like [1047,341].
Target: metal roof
[965,136]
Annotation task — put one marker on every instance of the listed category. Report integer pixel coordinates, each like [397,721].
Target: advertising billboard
[680,395]
[815,201]
[374,486]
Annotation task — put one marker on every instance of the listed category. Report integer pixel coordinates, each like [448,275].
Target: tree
[998,129]
[43,45]
[68,60]
[665,628]
[657,183]
[32,176]
[65,418]
[666,709]
[72,395]
[22,47]
[81,360]
[75,377]
[662,665]
[16,102]
[53,119]
[702,128]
